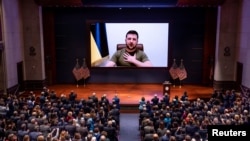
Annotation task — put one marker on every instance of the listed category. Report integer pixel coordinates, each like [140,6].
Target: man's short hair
[133,32]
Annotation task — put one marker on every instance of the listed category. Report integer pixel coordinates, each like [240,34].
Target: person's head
[40,138]
[77,136]
[110,123]
[26,138]
[131,40]
[142,98]
[187,138]
[104,133]
[155,137]
[12,137]
[102,138]
[89,137]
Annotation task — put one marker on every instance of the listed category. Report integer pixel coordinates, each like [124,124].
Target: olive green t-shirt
[119,60]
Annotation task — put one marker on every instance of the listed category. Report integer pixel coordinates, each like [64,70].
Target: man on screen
[130,56]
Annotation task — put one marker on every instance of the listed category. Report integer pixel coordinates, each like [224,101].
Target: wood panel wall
[192,38]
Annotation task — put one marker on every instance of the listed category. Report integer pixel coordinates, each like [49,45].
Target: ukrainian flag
[99,44]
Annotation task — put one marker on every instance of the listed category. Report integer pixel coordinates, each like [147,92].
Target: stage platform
[129,94]
[132,93]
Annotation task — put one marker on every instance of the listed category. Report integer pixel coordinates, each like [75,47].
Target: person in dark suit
[166,136]
[148,130]
[72,96]
[191,128]
[184,96]
[149,137]
[46,91]
[111,131]
[70,127]
[22,131]
[52,96]
[155,100]
[116,100]
[45,127]
[82,129]
[143,115]
[115,113]
[165,100]
[34,133]
[32,124]
[94,98]
[180,134]
[104,100]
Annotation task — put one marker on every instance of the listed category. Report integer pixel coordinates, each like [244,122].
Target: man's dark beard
[132,53]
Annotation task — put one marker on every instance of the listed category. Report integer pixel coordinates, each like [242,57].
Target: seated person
[130,56]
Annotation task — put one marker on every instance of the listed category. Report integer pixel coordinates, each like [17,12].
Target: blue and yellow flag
[99,44]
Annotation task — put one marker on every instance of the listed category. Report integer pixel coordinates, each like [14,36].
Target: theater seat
[120,46]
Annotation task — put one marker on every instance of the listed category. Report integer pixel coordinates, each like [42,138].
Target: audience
[63,118]
[186,120]
[59,118]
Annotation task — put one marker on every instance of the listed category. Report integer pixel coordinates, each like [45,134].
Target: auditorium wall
[191,38]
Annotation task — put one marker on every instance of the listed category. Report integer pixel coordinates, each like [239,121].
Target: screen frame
[90,22]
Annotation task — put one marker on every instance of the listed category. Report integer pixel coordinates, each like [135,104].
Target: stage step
[129,108]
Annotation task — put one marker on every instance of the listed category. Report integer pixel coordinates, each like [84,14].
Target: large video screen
[104,38]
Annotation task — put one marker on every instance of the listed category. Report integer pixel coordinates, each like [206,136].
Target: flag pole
[182,73]
[85,73]
[172,72]
[76,67]
[83,82]
[180,67]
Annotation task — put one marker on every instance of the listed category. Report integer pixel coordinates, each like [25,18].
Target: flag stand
[174,83]
[173,72]
[182,73]
[76,72]
[84,72]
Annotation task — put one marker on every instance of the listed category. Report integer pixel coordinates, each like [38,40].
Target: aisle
[129,127]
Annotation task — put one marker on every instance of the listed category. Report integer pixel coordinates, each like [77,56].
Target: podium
[166,87]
